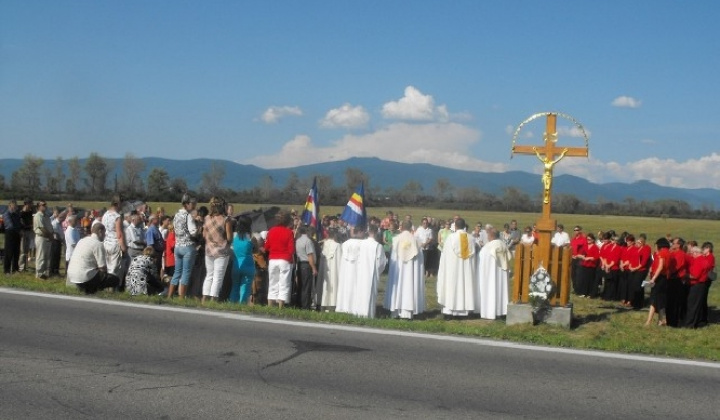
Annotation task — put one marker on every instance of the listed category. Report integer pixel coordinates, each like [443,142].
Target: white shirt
[561,239]
[89,255]
[424,235]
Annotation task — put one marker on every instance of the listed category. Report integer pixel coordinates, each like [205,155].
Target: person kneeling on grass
[88,263]
[142,278]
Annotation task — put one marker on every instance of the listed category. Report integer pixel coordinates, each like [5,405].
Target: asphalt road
[74,358]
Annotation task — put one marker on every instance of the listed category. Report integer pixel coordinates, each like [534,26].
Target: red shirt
[611,252]
[662,255]
[678,264]
[591,257]
[280,243]
[699,269]
[644,254]
[579,245]
[629,257]
[170,249]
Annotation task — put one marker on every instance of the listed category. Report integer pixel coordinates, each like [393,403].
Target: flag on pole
[354,213]
[311,214]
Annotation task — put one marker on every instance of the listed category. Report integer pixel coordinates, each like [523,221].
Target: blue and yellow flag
[354,213]
[311,214]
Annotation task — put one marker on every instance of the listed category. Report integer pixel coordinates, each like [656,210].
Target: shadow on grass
[603,314]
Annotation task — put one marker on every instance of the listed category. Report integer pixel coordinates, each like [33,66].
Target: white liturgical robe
[329,271]
[456,280]
[361,263]
[492,292]
[405,291]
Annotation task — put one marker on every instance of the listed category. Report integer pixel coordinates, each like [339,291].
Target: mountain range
[386,174]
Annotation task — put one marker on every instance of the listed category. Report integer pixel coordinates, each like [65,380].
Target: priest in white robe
[363,259]
[456,280]
[405,291]
[329,272]
[493,265]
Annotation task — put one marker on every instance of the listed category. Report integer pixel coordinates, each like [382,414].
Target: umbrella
[262,218]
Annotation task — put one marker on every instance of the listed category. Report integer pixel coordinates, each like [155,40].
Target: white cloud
[626,102]
[415,106]
[525,133]
[573,131]
[347,116]
[273,114]
[442,144]
[691,173]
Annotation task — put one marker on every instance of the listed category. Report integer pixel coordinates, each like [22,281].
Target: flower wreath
[542,288]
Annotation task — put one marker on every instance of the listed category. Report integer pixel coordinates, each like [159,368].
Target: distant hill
[385,174]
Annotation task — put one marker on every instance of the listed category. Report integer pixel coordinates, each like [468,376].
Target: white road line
[369,330]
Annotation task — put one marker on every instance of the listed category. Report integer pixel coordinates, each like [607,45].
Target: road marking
[369,330]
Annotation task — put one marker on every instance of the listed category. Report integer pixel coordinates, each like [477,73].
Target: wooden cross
[549,154]
[546,154]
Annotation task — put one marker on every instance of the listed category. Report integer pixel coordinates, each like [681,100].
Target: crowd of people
[620,266]
[210,253]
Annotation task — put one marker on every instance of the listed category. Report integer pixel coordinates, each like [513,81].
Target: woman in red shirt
[280,246]
[698,271]
[659,272]
[587,286]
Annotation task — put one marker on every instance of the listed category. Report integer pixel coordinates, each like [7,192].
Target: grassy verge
[597,325]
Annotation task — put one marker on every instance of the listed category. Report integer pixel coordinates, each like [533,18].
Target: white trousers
[280,275]
[215,267]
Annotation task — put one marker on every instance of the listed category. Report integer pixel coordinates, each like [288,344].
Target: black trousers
[624,285]
[676,298]
[12,251]
[587,281]
[55,251]
[693,316]
[638,292]
[306,283]
[611,292]
[102,280]
[575,275]
[704,313]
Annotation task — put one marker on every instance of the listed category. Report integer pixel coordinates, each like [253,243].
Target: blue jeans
[184,262]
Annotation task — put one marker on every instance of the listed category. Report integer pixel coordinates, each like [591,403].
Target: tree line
[91,181]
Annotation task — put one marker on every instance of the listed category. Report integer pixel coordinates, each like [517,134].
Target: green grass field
[596,324]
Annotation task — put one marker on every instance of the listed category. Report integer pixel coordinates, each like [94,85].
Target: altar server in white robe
[329,273]
[405,291]
[456,280]
[363,259]
[493,265]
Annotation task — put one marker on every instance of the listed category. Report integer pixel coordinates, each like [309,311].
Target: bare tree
[212,179]
[443,188]
[158,183]
[97,170]
[267,184]
[353,178]
[59,173]
[131,181]
[74,172]
[27,178]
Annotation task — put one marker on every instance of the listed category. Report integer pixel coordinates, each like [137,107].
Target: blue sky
[288,83]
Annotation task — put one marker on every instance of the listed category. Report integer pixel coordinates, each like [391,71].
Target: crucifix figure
[549,153]
[547,173]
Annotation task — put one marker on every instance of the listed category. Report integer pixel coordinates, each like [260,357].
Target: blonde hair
[217,206]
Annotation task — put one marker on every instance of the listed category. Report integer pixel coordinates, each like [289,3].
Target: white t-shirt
[561,239]
[88,256]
